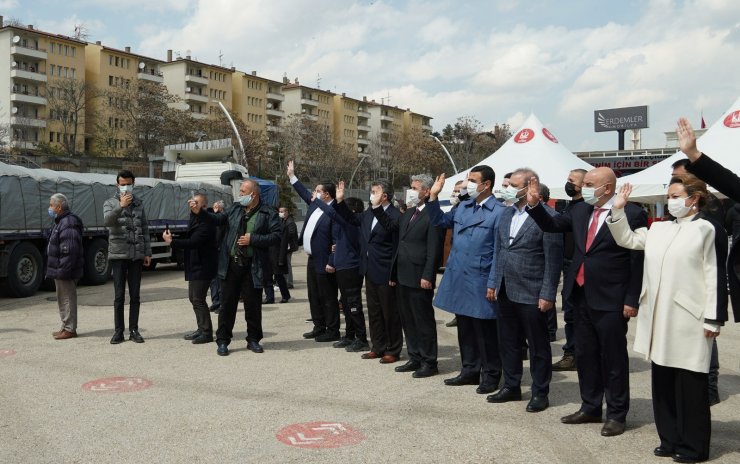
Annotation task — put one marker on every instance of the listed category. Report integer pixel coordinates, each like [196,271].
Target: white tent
[721,141]
[532,146]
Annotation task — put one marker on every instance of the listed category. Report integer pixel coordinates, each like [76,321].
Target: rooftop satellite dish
[142,65]
[187,89]
[269,106]
[14,110]
[14,65]
[16,39]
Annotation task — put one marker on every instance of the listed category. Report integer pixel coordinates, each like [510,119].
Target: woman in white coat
[683,303]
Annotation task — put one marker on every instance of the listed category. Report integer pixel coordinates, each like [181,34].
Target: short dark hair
[486,173]
[125,174]
[683,162]
[355,204]
[545,192]
[508,175]
[329,188]
[385,186]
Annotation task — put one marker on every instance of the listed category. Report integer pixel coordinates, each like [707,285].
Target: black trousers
[601,359]
[569,317]
[478,340]
[419,326]
[239,282]
[349,282]
[681,410]
[126,271]
[517,320]
[282,284]
[197,292]
[386,335]
[322,299]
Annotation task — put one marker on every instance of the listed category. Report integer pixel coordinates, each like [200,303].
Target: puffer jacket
[65,258]
[128,230]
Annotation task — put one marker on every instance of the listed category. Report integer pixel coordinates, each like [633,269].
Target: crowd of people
[507,253]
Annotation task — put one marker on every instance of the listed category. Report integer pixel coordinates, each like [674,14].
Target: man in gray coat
[129,249]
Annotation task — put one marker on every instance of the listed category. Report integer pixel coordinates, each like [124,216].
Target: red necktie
[589,240]
[413,217]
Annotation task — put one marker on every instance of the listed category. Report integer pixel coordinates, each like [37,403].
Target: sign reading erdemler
[634,117]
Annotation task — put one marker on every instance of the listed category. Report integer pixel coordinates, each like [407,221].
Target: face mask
[589,195]
[454,199]
[124,189]
[677,207]
[283,215]
[52,214]
[373,198]
[510,194]
[412,198]
[472,190]
[570,189]
[245,200]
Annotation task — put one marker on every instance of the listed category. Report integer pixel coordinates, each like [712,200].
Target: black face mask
[570,189]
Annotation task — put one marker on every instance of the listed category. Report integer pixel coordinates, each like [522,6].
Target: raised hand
[291,169]
[340,192]
[620,200]
[533,192]
[437,187]
[687,139]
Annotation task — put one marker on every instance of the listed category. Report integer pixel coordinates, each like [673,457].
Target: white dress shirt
[517,220]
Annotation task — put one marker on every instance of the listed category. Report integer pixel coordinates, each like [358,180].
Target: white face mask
[589,195]
[412,198]
[473,190]
[373,198]
[124,189]
[677,207]
[245,200]
[283,215]
[510,194]
[454,199]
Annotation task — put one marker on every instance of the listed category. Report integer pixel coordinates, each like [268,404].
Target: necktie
[413,217]
[589,240]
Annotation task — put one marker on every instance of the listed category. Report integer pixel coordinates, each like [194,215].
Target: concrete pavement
[190,405]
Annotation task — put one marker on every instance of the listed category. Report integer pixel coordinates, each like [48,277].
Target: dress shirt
[517,220]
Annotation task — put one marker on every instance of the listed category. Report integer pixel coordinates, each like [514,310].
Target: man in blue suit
[318,235]
[527,263]
[468,282]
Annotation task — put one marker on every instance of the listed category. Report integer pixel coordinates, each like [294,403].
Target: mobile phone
[166,227]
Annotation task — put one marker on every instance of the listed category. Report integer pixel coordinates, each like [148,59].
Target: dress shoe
[342,343]
[285,300]
[57,332]
[327,337]
[460,380]
[612,428]
[291,286]
[135,336]
[580,417]
[357,346]
[425,371]
[203,338]
[192,335]
[410,366]
[314,333]
[388,359]
[486,388]
[369,355]
[662,452]
[222,349]
[452,323]
[567,363]
[678,457]
[255,347]
[65,334]
[268,301]
[117,337]
[538,404]
[214,308]
[505,395]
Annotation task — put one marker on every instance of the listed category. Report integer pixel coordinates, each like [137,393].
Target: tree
[468,142]
[67,98]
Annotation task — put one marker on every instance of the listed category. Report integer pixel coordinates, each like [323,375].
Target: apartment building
[351,123]
[258,102]
[314,104]
[386,123]
[416,121]
[38,62]
[111,72]
[201,86]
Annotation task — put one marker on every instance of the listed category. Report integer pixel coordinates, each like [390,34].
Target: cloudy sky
[492,59]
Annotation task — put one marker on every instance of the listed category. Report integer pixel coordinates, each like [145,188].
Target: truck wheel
[97,267]
[24,271]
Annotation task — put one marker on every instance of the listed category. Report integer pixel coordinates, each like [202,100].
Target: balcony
[363,142]
[27,121]
[385,117]
[426,127]
[196,97]
[309,102]
[363,128]
[273,128]
[157,78]
[24,144]
[28,75]
[199,80]
[24,98]
[385,131]
[275,113]
[20,50]
[311,117]
[275,96]
[199,115]
[363,114]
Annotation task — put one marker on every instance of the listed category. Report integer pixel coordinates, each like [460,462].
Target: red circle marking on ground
[6,353]
[524,136]
[117,385]
[549,135]
[319,435]
[733,120]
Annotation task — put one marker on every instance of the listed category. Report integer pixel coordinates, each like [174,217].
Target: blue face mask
[245,200]
[52,214]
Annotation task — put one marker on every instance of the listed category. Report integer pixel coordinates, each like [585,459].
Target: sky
[497,61]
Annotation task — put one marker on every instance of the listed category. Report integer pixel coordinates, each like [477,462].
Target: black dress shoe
[357,346]
[425,371]
[662,452]
[580,417]
[135,336]
[255,347]
[410,366]
[268,301]
[612,428]
[285,300]
[117,337]
[505,395]
[222,350]
[327,337]
[460,380]
[342,343]
[486,388]
[214,308]
[314,333]
[203,338]
[192,335]
[538,403]
[678,457]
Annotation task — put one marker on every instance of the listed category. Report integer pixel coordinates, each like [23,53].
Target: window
[110,60]
[51,137]
[110,80]
[72,49]
[72,73]
[51,50]
[52,69]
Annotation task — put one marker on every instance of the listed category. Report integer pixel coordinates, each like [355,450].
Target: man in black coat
[604,283]
[65,262]
[201,262]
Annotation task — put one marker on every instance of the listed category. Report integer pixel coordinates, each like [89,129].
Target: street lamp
[449,157]
[363,157]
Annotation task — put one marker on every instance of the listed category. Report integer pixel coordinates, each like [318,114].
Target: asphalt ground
[300,401]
